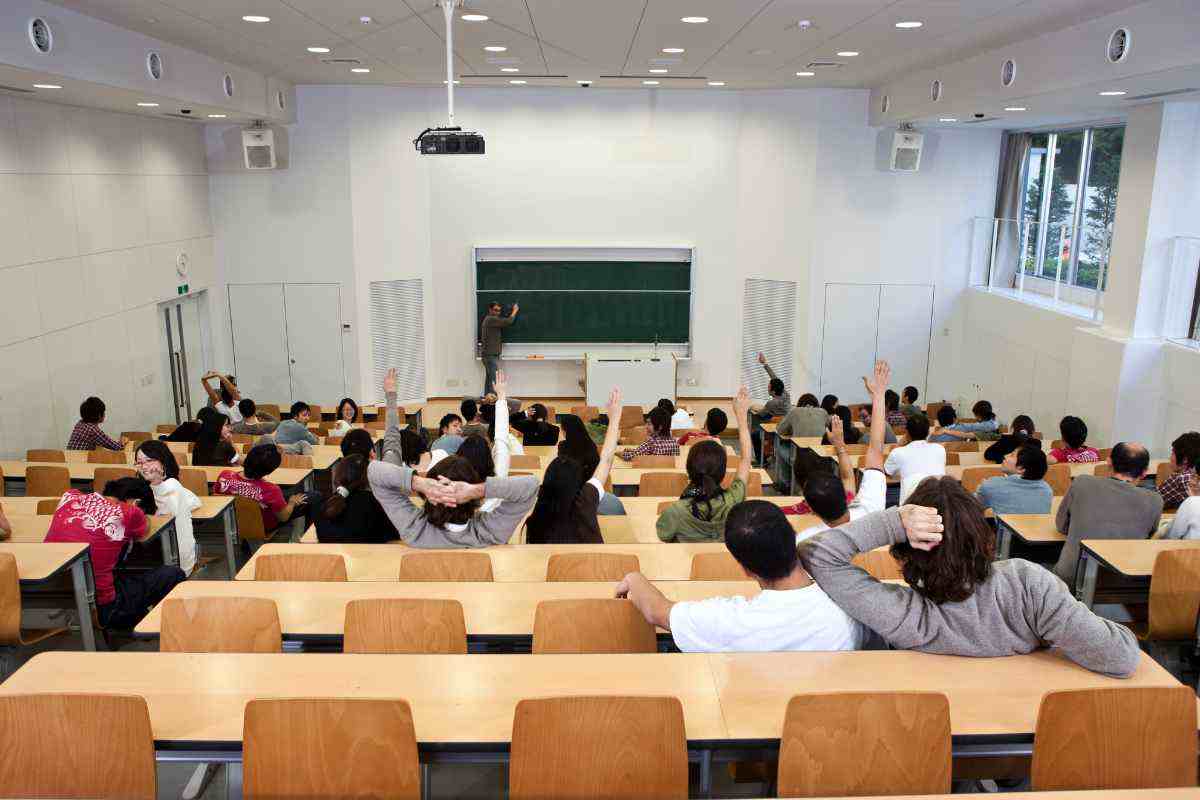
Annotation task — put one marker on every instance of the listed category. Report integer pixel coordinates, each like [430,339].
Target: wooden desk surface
[33,527]
[510,563]
[490,609]
[39,561]
[1134,557]
[1076,469]
[210,506]
[82,471]
[1101,794]
[1034,528]
[454,699]
[987,695]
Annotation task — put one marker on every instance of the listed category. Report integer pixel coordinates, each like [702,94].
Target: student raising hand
[389,382]
[500,384]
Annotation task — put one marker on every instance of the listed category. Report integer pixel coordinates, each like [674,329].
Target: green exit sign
[183,288]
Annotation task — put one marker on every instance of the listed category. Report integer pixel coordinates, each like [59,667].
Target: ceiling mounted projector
[450,140]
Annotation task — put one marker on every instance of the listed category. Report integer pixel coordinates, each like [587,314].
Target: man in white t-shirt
[917,460]
[790,613]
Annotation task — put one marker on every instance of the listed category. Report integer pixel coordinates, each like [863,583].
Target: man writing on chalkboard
[493,342]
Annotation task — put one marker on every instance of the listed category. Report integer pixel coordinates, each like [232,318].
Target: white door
[848,339]
[260,353]
[314,337]
[186,331]
[905,326]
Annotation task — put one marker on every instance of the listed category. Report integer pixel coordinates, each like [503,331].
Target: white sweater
[1186,524]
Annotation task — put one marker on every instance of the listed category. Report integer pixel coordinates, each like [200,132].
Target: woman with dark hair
[850,433]
[156,463]
[1075,450]
[214,443]
[577,444]
[261,461]
[346,416]
[225,398]
[351,514]
[568,500]
[1020,435]
[830,403]
[956,600]
[86,435]
[699,515]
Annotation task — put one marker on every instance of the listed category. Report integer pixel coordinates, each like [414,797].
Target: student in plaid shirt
[660,443]
[1185,455]
[87,434]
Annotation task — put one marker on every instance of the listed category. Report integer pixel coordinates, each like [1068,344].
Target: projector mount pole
[448,7]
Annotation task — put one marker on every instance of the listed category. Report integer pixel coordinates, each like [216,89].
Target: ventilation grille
[825,65]
[974,121]
[768,327]
[340,61]
[398,335]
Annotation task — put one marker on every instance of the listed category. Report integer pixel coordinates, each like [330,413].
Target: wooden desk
[33,528]
[1076,469]
[494,612]
[1035,529]
[1131,558]
[40,562]
[1100,794]
[82,472]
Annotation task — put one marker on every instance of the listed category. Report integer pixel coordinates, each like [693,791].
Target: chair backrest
[1058,444]
[973,476]
[102,475]
[10,600]
[754,487]
[962,446]
[590,566]
[294,461]
[270,409]
[249,519]
[242,438]
[631,417]
[46,456]
[102,456]
[581,747]
[1103,470]
[43,481]
[349,748]
[1118,738]
[397,625]
[1160,475]
[654,462]
[196,481]
[523,461]
[865,743]
[587,413]
[219,625]
[76,745]
[315,412]
[662,484]
[879,563]
[1175,595]
[1059,478]
[952,459]
[717,567]
[1105,453]
[47,506]
[137,437]
[322,567]
[333,440]
[446,566]
[165,427]
[594,625]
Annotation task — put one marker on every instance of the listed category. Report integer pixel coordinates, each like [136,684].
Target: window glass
[1100,205]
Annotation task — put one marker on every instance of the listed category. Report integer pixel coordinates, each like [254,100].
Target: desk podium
[644,379]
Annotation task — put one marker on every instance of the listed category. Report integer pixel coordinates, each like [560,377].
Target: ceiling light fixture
[518,83]
[148,105]
[456,82]
[474,17]
[495,48]
[365,20]
[318,49]
[947,119]
[1016,108]
[716,83]
[255,18]
[584,83]
[650,83]
[1112,94]
[909,25]
[762,51]
[510,69]
[46,86]
[694,20]
[673,50]
[657,71]
[360,70]
[805,74]
[847,53]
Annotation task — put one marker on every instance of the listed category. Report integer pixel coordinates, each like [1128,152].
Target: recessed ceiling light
[495,48]
[847,53]
[255,18]
[674,50]
[148,105]
[518,83]
[762,51]
[216,116]
[1111,94]
[805,74]
[694,20]
[582,82]
[360,70]
[474,17]
[657,71]
[911,24]
[947,119]
[650,83]
[510,69]
[46,86]
[456,83]
[1016,108]
[318,49]
[716,83]
[365,20]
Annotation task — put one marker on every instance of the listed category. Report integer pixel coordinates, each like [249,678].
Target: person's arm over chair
[646,597]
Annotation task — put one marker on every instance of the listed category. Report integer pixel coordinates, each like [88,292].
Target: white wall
[94,209]
[763,184]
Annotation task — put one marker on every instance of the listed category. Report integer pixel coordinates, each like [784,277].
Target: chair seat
[36,636]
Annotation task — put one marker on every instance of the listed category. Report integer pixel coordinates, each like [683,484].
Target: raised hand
[922,525]
[878,383]
[501,384]
[837,436]
[741,403]
[389,381]
[614,406]
[762,359]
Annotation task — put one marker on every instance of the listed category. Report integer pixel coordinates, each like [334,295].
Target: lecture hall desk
[289,480]
[1129,558]
[39,563]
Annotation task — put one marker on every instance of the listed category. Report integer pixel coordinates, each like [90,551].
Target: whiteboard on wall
[864,322]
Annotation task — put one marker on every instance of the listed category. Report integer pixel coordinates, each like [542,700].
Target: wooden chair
[716,567]
[446,566]
[662,484]
[964,446]
[219,625]
[631,437]
[396,625]
[103,475]
[654,462]
[11,634]
[525,462]
[631,417]
[590,566]
[47,506]
[952,459]
[595,747]
[102,456]
[195,480]
[315,412]
[592,625]
[270,409]
[46,456]
[47,481]
[1103,470]
[931,410]
[1116,738]
[137,437]
[349,748]
[167,428]
[587,413]
[1057,444]
[1160,476]
[973,476]
[754,487]
[865,743]
[242,438]
[381,423]
[1174,597]
[76,745]
[249,518]
[316,567]
[1059,478]
[1105,453]
[334,441]
[294,461]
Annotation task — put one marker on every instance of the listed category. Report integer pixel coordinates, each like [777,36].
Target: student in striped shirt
[660,443]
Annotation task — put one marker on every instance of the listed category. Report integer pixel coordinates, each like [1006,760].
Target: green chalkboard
[589,301]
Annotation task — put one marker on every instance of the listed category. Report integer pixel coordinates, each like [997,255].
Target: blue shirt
[291,431]
[448,442]
[1012,494]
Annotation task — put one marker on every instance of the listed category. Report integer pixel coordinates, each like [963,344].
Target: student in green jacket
[699,516]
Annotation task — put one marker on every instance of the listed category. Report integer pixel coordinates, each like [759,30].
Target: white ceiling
[747,43]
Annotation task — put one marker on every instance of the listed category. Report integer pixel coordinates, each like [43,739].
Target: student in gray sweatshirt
[957,600]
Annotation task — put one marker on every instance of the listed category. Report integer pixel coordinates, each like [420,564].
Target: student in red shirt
[714,425]
[260,462]
[1074,433]
[109,524]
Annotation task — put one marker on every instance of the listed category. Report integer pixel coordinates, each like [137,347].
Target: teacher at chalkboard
[493,342]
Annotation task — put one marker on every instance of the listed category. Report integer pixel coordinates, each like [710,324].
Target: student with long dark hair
[156,463]
[699,516]
[346,416]
[577,444]
[350,513]
[1020,435]
[214,444]
[225,398]
[567,502]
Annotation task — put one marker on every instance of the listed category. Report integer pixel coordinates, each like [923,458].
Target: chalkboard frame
[580,253]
